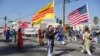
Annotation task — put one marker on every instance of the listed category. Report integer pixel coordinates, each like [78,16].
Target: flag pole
[54,9]
[88,14]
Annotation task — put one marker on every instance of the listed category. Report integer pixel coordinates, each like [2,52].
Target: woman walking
[8,34]
[41,36]
[60,34]
[14,36]
[20,39]
[86,41]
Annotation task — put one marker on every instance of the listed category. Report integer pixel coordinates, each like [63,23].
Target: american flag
[79,15]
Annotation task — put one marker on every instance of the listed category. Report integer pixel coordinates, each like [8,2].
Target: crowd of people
[60,33]
[16,36]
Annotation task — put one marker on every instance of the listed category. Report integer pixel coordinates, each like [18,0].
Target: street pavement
[32,48]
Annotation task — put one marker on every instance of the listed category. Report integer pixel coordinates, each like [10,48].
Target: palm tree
[96,20]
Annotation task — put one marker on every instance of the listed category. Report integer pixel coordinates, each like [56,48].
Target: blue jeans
[50,45]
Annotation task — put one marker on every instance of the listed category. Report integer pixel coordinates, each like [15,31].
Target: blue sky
[25,9]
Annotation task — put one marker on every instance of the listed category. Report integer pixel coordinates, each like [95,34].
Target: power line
[56,3]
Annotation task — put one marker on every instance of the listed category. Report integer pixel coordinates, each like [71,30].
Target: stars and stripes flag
[79,15]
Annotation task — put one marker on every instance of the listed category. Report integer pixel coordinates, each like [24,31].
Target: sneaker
[82,51]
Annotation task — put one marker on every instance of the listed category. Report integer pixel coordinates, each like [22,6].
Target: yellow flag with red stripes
[47,12]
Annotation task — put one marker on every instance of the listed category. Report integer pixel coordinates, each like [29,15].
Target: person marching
[71,34]
[50,34]
[41,36]
[60,34]
[14,33]
[20,39]
[86,41]
[65,31]
[5,30]
[8,34]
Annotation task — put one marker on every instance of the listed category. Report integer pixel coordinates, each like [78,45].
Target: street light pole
[64,10]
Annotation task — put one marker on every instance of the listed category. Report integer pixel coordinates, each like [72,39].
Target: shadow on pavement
[29,48]
[5,41]
[64,51]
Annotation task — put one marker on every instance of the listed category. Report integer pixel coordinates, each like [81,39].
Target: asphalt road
[32,48]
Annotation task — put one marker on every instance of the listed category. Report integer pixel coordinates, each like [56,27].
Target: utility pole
[64,10]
